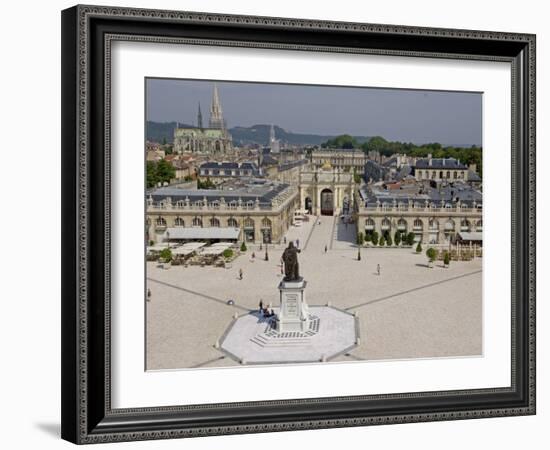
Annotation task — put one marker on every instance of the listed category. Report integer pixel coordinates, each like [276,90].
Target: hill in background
[256,134]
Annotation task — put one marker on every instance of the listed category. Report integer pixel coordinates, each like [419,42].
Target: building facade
[218,172]
[326,190]
[439,169]
[432,222]
[342,159]
[262,214]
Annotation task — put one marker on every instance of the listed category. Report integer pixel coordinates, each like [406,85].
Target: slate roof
[440,163]
[228,165]
[447,195]
[264,193]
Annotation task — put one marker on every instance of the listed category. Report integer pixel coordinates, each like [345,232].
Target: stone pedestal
[293,314]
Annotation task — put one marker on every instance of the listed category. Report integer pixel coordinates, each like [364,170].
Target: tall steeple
[271,135]
[216,114]
[199,117]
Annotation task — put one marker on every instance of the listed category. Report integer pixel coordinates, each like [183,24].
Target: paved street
[407,311]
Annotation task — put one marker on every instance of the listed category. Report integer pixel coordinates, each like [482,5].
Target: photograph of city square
[293,224]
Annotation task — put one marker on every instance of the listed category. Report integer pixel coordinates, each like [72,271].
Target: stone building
[214,140]
[326,190]
[342,159]
[435,216]
[439,169]
[261,213]
[218,172]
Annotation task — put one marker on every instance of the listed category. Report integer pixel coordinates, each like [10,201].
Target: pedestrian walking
[326,248]
[148,294]
[284,240]
[253,255]
[297,243]
[378,269]
[240,274]
[261,305]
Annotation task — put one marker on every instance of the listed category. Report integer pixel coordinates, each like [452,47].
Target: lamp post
[266,255]
[358,253]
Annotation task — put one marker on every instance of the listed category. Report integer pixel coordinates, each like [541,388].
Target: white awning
[181,233]
[471,236]
[188,248]
[216,249]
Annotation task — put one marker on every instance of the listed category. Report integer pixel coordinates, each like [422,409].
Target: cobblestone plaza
[408,311]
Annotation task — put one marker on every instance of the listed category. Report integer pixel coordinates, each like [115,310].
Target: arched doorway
[308,205]
[327,202]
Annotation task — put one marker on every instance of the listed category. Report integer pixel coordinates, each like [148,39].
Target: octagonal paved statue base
[253,339]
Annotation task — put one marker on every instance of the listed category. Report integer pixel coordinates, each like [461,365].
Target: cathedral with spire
[214,140]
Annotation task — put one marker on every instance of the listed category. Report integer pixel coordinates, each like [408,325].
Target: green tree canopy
[342,141]
[159,172]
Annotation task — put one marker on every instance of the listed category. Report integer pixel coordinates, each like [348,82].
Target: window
[179,222]
[418,224]
[214,222]
[197,222]
[232,223]
[248,223]
[161,221]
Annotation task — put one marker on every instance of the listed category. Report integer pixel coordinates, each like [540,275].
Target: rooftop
[458,192]
[264,193]
[440,163]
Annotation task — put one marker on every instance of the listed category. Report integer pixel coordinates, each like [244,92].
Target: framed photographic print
[279,224]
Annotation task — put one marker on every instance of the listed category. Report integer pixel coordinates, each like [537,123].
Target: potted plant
[431,254]
[446,259]
[374,238]
[397,238]
[243,247]
[418,248]
[166,256]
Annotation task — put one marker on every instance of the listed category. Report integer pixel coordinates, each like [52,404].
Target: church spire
[199,117]
[216,114]
[271,135]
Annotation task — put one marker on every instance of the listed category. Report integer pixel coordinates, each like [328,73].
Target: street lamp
[358,253]
[266,255]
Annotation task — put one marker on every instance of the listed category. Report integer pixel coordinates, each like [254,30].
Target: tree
[360,238]
[418,247]
[446,259]
[165,171]
[159,172]
[243,247]
[206,184]
[151,174]
[397,238]
[431,254]
[227,253]
[410,238]
[166,255]
[389,241]
[382,241]
[368,236]
[343,141]
[374,238]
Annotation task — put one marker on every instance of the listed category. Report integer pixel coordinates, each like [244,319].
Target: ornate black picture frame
[87,34]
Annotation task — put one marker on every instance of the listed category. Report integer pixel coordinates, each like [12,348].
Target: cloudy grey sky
[451,118]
